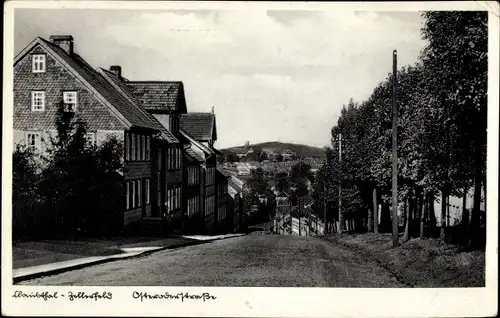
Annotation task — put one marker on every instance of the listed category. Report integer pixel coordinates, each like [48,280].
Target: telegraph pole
[340,227]
[394,152]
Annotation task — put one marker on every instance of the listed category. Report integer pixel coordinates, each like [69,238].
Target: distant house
[288,155]
[235,201]
[245,151]
[243,169]
[282,199]
[223,215]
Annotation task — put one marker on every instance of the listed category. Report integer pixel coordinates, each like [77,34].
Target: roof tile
[157,96]
[130,111]
[201,126]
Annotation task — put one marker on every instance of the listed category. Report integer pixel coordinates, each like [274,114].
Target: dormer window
[70,101]
[38,63]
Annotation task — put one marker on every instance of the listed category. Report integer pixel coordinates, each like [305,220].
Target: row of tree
[81,179]
[442,106]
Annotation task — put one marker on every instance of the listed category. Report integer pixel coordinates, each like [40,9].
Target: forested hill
[275,146]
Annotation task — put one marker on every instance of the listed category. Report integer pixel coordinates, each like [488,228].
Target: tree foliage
[82,179]
[441,126]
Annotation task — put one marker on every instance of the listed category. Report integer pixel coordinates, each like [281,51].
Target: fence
[31,218]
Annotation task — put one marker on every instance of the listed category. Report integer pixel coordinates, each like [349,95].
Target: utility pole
[394,152]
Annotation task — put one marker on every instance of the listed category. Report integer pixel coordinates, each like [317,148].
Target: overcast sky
[271,75]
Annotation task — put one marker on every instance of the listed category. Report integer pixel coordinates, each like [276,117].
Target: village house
[164,101]
[235,201]
[192,190]
[49,74]
[200,130]
[169,156]
[223,215]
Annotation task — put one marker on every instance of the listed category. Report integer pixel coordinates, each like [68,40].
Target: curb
[110,258]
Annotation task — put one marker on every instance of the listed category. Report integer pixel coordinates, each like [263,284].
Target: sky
[280,75]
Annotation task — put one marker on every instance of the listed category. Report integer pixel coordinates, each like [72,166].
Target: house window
[147,147]
[178,197]
[37,101]
[34,141]
[127,191]
[70,101]
[133,193]
[139,193]
[38,63]
[169,160]
[143,147]
[127,146]
[90,139]
[147,191]
[178,158]
[132,147]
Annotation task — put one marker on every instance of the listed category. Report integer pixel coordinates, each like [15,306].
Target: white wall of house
[103,135]
[19,137]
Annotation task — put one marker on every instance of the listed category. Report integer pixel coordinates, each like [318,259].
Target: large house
[169,158]
[200,130]
[48,74]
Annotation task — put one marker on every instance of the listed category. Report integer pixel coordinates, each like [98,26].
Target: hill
[300,151]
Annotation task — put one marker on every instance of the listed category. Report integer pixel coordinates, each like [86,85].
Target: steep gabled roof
[201,126]
[192,155]
[194,142]
[159,96]
[222,174]
[234,186]
[129,113]
[119,85]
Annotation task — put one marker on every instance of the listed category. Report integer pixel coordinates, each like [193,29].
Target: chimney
[65,42]
[117,70]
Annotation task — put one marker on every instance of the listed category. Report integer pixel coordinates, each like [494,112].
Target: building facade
[169,161]
[49,76]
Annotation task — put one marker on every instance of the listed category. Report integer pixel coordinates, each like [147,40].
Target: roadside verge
[125,252]
[423,263]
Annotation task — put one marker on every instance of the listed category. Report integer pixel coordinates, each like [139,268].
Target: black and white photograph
[244,145]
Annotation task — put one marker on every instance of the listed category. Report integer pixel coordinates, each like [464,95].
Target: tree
[456,57]
[231,157]
[282,183]
[257,183]
[84,180]
[25,173]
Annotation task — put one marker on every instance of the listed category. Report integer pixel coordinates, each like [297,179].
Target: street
[256,260]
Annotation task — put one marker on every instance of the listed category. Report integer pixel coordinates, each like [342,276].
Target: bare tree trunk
[406,235]
[442,234]
[423,215]
[385,217]
[405,212]
[432,211]
[465,214]
[409,218]
[370,220]
[375,211]
[422,205]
